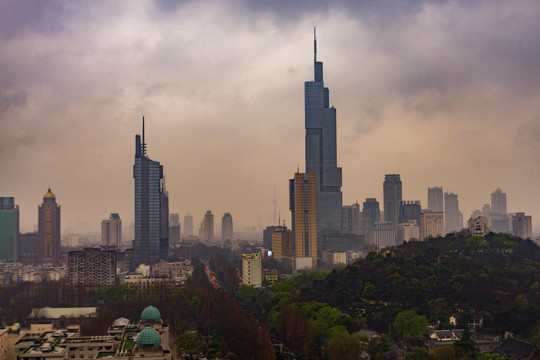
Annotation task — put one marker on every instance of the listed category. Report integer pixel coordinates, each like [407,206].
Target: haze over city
[443,93]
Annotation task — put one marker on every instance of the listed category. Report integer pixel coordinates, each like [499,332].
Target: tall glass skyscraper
[9,229]
[321,153]
[147,174]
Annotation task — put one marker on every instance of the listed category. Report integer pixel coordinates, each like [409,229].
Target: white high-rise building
[111,231]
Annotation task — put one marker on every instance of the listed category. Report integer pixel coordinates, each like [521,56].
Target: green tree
[409,325]
[189,345]
[417,353]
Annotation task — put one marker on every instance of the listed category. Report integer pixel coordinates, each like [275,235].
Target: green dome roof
[150,314]
[148,337]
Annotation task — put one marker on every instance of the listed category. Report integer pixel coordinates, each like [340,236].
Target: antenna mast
[143,147]
[314,50]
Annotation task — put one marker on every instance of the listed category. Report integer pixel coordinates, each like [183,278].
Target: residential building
[351,219]
[28,248]
[435,199]
[226,227]
[392,198]
[321,153]
[498,202]
[111,231]
[252,269]
[303,206]
[147,175]
[92,267]
[408,231]
[522,225]
[49,229]
[431,224]
[9,229]
[453,218]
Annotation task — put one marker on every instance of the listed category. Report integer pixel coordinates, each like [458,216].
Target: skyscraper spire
[143,146]
[315,50]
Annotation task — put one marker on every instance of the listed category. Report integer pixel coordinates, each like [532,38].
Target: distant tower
[274,203]
[226,227]
[453,218]
[392,198]
[522,225]
[188,225]
[208,227]
[303,206]
[435,199]
[147,175]
[174,228]
[351,219]
[321,151]
[163,221]
[410,210]
[9,229]
[111,231]
[498,202]
[371,214]
[49,229]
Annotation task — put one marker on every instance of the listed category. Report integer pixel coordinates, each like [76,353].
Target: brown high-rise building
[49,229]
[303,206]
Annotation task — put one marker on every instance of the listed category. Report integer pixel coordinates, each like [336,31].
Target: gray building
[147,174]
[111,231]
[410,210]
[188,225]
[174,228]
[498,202]
[522,225]
[435,199]
[351,219]
[9,229]
[49,229]
[163,222]
[321,153]
[208,227]
[92,267]
[371,214]
[226,227]
[453,218]
[392,198]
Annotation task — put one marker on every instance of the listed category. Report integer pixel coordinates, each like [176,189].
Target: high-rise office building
[431,224]
[147,174]
[163,221]
[522,225]
[281,243]
[409,210]
[226,227]
[321,153]
[498,202]
[371,214]
[351,219]
[49,229]
[303,206]
[174,228]
[208,227]
[252,269]
[188,225]
[9,229]
[453,218]
[92,267]
[111,231]
[435,199]
[392,198]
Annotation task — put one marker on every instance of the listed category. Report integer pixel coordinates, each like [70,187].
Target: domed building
[49,229]
[151,317]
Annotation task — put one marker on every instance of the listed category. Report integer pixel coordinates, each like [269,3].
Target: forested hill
[497,277]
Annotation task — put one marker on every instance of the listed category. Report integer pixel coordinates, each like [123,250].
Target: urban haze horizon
[435,92]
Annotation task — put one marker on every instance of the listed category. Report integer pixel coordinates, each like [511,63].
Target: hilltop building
[147,174]
[303,206]
[431,224]
[49,229]
[371,215]
[392,198]
[522,225]
[453,218]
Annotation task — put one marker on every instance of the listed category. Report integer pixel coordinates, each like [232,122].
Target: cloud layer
[444,93]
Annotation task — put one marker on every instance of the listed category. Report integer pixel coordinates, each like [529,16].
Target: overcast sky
[445,93]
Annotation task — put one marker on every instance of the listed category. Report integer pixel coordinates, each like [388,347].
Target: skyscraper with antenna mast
[321,151]
[147,175]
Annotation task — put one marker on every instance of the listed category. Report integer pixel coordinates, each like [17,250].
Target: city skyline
[441,93]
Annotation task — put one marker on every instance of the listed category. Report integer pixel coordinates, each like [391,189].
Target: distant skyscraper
[435,199]
[111,231]
[453,218]
[410,210]
[49,229]
[174,228]
[208,227]
[522,225]
[163,222]
[303,206]
[226,227]
[392,198]
[188,225]
[498,202]
[385,234]
[92,267]
[321,153]
[371,215]
[9,229]
[351,219]
[147,174]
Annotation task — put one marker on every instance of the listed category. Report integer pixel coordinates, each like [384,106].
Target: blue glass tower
[147,174]
[321,153]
